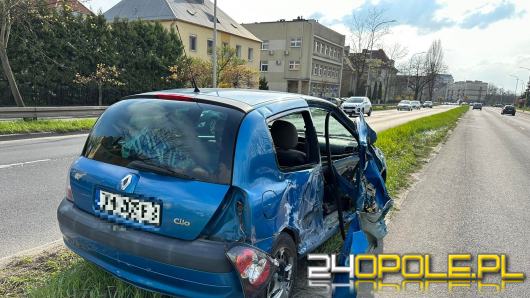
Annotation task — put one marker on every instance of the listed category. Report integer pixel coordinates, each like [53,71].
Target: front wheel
[283,279]
[369,113]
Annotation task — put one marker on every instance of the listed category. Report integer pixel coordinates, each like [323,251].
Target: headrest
[284,134]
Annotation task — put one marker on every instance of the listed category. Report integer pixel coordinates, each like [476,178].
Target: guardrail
[51,112]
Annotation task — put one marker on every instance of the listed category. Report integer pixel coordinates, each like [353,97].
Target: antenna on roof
[193,82]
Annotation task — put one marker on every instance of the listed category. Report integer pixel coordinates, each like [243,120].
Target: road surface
[33,178]
[473,197]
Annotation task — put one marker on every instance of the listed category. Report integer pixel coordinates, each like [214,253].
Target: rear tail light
[69,195]
[254,267]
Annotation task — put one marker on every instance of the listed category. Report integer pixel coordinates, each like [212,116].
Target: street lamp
[516,85]
[371,48]
[214,50]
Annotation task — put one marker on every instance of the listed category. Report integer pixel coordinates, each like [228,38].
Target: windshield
[355,100]
[184,139]
[404,102]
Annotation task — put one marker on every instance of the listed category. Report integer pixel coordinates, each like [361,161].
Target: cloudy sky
[484,40]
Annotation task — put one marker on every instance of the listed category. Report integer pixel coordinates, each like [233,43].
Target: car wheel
[283,280]
[369,113]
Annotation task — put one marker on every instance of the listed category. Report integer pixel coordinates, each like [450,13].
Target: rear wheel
[283,279]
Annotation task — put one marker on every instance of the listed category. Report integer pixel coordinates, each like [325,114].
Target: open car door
[369,196]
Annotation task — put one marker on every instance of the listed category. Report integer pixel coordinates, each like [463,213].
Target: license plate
[144,212]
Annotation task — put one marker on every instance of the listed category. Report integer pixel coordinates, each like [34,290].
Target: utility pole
[214,50]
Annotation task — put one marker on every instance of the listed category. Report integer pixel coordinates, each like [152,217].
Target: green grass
[405,148]
[382,108]
[56,126]
[62,274]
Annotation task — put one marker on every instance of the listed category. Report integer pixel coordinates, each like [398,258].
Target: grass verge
[63,274]
[405,148]
[56,126]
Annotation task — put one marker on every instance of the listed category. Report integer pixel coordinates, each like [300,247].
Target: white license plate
[129,208]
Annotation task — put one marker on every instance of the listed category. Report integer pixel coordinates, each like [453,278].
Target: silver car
[357,105]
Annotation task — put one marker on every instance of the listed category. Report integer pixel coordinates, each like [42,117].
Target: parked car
[427,104]
[218,193]
[508,109]
[498,105]
[477,106]
[357,105]
[334,100]
[404,105]
[415,104]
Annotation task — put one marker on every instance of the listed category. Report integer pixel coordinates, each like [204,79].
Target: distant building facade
[382,71]
[467,91]
[300,56]
[75,5]
[193,20]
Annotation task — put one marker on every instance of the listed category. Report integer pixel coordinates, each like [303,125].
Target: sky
[485,40]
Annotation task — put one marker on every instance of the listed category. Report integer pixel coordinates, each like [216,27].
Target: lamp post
[371,47]
[516,85]
[214,50]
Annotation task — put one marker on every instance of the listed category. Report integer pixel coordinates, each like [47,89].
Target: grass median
[52,126]
[62,274]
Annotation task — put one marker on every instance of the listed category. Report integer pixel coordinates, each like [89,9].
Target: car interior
[297,149]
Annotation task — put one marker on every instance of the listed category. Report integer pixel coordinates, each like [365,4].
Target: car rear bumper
[176,267]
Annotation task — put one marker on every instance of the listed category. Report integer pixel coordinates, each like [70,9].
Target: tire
[284,250]
[369,113]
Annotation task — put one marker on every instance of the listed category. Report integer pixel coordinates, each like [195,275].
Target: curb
[55,245]
[36,135]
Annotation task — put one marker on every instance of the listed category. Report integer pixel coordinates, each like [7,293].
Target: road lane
[32,179]
[474,197]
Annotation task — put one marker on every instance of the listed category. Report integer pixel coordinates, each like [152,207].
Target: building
[470,91]
[300,56]
[193,20]
[75,5]
[382,75]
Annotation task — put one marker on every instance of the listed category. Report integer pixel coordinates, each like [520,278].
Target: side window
[295,141]
[342,142]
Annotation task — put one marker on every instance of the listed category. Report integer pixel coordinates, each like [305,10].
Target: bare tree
[395,52]
[11,11]
[367,30]
[434,64]
[416,75]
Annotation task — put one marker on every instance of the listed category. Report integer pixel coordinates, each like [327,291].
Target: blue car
[221,192]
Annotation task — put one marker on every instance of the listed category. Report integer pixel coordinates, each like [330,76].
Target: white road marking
[23,163]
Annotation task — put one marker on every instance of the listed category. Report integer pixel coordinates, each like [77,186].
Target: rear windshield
[185,139]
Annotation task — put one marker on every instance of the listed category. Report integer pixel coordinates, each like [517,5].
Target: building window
[265,45]
[296,42]
[294,65]
[238,51]
[315,70]
[225,44]
[209,45]
[264,66]
[320,70]
[193,43]
[316,46]
[326,50]
[321,48]
[250,54]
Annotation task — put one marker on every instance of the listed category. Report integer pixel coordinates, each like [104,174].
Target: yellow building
[193,19]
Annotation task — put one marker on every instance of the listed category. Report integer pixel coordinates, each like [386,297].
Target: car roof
[245,100]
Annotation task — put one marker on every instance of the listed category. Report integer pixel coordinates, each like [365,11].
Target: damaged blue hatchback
[219,193]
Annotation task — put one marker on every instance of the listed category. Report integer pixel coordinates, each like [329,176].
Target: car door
[357,174]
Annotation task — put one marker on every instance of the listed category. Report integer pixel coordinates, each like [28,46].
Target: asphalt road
[473,197]
[33,177]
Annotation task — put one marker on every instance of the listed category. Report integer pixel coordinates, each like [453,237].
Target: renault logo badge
[125,182]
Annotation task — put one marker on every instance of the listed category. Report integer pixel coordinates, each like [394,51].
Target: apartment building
[193,19]
[468,91]
[300,56]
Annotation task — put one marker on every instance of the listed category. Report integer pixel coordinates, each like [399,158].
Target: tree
[434,64]
[11,11]
[263,84]
[416,75]
[367,30]
[103,76]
